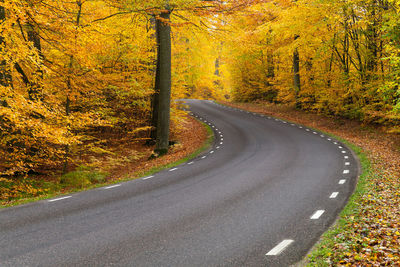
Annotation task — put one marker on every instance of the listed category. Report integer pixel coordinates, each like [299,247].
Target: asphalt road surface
[261,196]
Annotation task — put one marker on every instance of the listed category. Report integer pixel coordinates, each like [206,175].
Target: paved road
[261,196]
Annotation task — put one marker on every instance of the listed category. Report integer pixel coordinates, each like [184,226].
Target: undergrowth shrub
[82,177]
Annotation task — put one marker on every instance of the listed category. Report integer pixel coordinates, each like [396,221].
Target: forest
[78,76]
[73,70]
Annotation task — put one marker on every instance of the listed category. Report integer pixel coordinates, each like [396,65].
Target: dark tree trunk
[155,96]
[79,3]
[35,90]
[217,65]
[296,75]
[5,73]
[270,64]
[163,29]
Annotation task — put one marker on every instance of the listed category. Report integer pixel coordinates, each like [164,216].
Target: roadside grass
[323,250]
[25,190]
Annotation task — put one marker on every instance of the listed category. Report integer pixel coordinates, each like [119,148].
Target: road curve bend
[261,196]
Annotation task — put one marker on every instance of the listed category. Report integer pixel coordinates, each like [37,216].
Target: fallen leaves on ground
[127,159]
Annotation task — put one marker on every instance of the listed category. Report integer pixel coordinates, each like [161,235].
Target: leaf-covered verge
[367,232]
[124,161]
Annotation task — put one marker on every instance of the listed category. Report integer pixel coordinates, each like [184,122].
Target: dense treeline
[336,57]
[73,72]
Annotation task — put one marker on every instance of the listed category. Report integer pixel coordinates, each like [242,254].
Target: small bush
[82,177]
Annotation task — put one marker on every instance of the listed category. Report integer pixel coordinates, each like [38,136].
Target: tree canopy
[73,70]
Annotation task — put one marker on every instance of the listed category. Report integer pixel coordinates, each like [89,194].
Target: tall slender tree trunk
[35,90]
[163,80]
[79,3]
[5,73]
[155,96]
[296,75]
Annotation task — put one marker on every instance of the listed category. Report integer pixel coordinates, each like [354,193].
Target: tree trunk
[296,75]
[79,3]
[5,73]
[35,90]
[163,80]
[155,96]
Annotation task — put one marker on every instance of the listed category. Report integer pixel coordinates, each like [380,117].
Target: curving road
[261,196]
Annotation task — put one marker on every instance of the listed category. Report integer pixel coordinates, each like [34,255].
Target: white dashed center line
[342,181]
[280,247]
[346,171]
[317,214]
[112,186]
[60,198]
[344,152]
[334,195]
[347,163]
[190,163]
[346,157]
[173,169]
[148,177]
[203,157]
[211,152]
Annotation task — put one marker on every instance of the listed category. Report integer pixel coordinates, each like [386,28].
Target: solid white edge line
[280,247]
[317,214]
[148,177]
[60,198]
[112,186]
[334,195]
